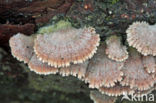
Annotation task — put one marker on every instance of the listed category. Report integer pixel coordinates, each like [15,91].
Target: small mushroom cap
[41,68]
[97,97]
[142,36]
[22,47]
[134,74]
[117,90]
[115,50]
[67,46]
[149,64]
[78,70]
[103,71]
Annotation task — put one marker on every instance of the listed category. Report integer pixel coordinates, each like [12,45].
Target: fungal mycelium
[114,70]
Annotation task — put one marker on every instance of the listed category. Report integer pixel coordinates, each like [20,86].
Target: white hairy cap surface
[149,64]
[135,75]
[77,70]
[103,71]
[97,97]
[41,68]
[66,46]
[22,47]
[117,90]
[115,50]
[142,36]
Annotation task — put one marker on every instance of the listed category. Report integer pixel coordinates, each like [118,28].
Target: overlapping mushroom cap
[149,64]
[135,75]
[115,50]
[41,68]
[22,47]
[142,36]
[77,70]
[117,90]
[67,50]
[103,71]
[66,46]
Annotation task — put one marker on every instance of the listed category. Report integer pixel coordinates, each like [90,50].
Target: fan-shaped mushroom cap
[41,68]
[149,64]
[103,71]
[66,46]
[115,50]
[78,70]
[97,97]
[117,90]
[135,75]
[22,47]
[142,36]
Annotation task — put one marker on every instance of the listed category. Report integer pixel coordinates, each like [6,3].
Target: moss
[57,82]
[62,24]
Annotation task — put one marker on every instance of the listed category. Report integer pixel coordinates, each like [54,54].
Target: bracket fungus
[97,97]
[149,64]
[115,50]
[66,50]
[22,47]
[67,45]
[134,74]
[117,90]
[142,36]
[77,70]
[41,68]
[101,69]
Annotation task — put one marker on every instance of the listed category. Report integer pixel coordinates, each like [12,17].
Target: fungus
[41,68]
[97,97]
[115,50]
[22,47]
[102,71]
[78,70]
[134,74]
[142,36]
[66,45]
[149,64]
[117,90]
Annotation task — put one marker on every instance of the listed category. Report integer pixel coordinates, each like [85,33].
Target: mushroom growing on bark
[78,70]
[115,50]
[142,36]
[22,47]
[66,45]
[117,90]
[103,71]
[134,74]
[41,68]
[149,64]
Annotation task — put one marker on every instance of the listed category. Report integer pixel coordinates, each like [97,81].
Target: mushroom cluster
[114,69]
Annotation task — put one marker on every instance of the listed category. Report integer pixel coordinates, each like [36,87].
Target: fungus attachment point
[66,46]
[135,75]
[41,68]
[115,50]
[22,47]
[149,64]
[97,97]
[78,70]
[117,90]
[102,71]
[142,36]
